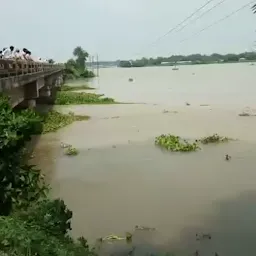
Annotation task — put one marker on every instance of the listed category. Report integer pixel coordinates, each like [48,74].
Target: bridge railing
[19,67]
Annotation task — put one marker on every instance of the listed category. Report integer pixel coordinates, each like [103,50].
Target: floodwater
[120,179]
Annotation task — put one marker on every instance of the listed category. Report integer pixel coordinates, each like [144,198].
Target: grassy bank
[75,98]
[54,120]
[69,87]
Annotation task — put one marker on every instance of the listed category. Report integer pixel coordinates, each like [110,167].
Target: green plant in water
[67,87]
[70,151]
[74,98]
[175,143]
[55,120]
[215,138]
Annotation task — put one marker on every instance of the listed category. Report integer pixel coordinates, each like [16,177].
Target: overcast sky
[122,29]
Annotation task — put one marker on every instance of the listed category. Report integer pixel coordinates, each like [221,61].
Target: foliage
[69,98]
[19,236]
[190,59]
[51,215]
[18,183]
[70,151]
[54,120]
[215,138]
[67,87]
[175,143]
[30,224]
[76,68]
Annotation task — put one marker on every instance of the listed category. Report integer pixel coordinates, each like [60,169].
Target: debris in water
[128,237]
[112,237]
[165,111]
[197,253]
[114,146]
[115,117]
[144,228]
[130,79]
[227,157]
[188,104]
[203,236]
[65,145]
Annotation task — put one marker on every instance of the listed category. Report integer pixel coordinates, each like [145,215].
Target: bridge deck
[17,67]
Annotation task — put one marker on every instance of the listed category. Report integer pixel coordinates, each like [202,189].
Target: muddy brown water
[120,179]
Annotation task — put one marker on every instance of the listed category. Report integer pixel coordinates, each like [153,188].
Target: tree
[81,56]
[76,68]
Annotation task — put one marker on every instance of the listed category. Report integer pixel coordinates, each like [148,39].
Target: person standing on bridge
[8,52]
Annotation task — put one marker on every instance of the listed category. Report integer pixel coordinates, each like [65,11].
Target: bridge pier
[45,92]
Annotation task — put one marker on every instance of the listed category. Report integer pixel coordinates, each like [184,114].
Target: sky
[123,29]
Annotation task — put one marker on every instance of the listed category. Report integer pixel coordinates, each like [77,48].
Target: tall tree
[81,56]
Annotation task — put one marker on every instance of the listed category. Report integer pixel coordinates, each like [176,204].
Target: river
[120,179]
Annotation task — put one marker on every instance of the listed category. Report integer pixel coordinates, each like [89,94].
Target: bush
[30,224]
[19,237]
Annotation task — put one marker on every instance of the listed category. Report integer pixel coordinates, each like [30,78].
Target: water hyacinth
[74,98]
[70,151]
[215,138]
[54,120]
[175,143]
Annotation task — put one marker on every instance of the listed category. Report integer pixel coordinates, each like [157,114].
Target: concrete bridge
[28,82]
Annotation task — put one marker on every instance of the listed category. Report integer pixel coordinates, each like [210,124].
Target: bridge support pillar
[45,92]
[31,90]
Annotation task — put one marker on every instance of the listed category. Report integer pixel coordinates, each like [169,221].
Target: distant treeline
[190,59]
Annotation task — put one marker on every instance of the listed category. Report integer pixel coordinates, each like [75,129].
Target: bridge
[26,82]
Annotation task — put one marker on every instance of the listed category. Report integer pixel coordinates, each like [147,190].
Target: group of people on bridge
[10,53]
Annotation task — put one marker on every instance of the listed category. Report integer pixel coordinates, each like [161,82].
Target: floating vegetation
[68,87]
[74,98]
[175,143]
[70,151]
[55,120]
[215,138]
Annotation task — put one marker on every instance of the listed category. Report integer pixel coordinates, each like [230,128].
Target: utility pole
[97,59]
[93,64]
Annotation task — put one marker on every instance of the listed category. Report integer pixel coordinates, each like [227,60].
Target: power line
[187,18]
[204,13]
[190,16]
[218,21]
